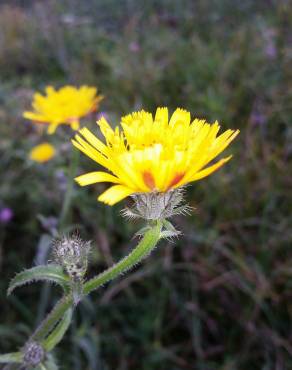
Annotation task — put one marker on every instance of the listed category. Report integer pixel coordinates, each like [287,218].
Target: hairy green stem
[10,358]
[143,249]
[52,318]
[58,332]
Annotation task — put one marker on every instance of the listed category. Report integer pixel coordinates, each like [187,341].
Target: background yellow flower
[64,106]
[42,153]
[152,155]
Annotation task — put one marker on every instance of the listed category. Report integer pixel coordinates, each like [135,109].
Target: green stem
[52,318]
[59,331]
[143,249]
[69,192]
[9,358]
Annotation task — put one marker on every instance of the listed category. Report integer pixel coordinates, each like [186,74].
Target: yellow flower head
[152,154]
[64,106]
[42,153]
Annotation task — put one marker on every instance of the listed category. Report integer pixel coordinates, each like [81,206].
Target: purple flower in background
[259,114]
[134,46]
[61,179]
[6,215]
[270,48]
[101,114]
[271,51]
[258,119]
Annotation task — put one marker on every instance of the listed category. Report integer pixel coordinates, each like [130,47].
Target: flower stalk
[69,192]
[52,318]
[143,249]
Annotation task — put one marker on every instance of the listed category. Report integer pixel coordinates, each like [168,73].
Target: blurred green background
[220,297]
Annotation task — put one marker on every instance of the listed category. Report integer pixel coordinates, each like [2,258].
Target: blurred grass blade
[10,358]
[50,363]
[57,334]
[50,273]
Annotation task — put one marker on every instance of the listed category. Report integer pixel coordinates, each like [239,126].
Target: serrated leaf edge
[50,273]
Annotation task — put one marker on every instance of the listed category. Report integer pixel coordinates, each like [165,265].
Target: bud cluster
[33,355]
[157,205]
[72,252]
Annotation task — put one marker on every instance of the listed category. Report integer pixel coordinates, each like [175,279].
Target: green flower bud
[33,355]
[157,205]
[72,252]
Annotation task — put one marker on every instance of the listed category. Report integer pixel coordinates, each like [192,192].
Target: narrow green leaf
[49,364]
[57,334]
[169,231]
[168,226]
[167,234]
[50,273]
[10,358]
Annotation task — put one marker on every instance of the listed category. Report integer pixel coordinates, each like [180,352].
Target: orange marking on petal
[175,180]
[95,104]
[40,122]
[149,179]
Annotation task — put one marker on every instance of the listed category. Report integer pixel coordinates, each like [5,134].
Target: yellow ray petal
[222,141]
[180,115]
[34,117]
[114,194]
[52,128]
[74,124]
[106,129]
[95,177]
[91,152]
[50,90]
[93,140]
[161,115]
[207,171]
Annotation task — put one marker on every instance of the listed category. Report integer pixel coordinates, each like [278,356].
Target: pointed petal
[207,171]
[95,177]
[222,141]
[52,128]
[50,90]
[90,151]
[114,194]
[180,115]
[161,115]
[93,140]
[34,117]
[75,124]
[106,129]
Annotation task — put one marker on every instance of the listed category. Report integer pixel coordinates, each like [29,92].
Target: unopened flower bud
[157,205]
[33,355]
[71,252]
